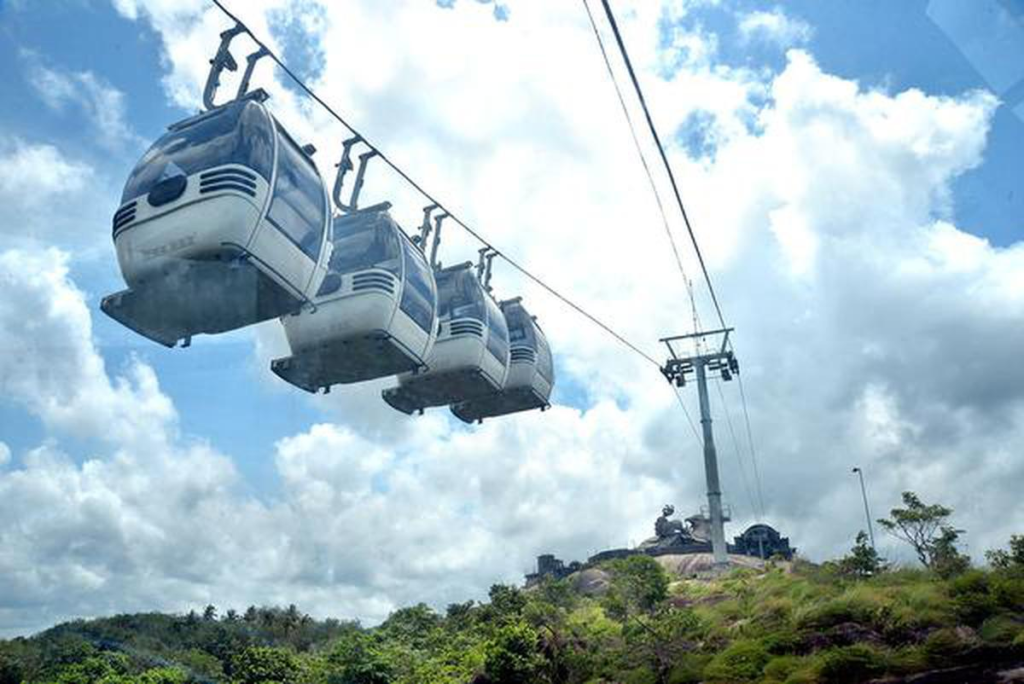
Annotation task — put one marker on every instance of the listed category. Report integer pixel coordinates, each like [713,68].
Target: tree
[925,528]
[459,615]
[638,585]
[507,600]
[1005,560]
[259,664]
[210,613]
[412,625]
[946,558]
[863,560]
[511,657]
[357,659]
[662,638]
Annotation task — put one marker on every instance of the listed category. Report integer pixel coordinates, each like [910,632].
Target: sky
[853,174]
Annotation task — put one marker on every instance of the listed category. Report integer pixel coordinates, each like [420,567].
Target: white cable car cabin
[531,373]
[375,313]
[223,223]
[471,355]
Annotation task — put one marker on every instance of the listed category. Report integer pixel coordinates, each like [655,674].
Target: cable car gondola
[376,312]
[471,356]
[223,223]
[531,373]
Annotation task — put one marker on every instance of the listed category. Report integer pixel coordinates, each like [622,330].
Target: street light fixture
[867,512]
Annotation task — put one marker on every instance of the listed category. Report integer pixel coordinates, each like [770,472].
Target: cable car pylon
[723,362]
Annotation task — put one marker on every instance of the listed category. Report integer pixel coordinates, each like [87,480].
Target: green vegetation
[926,528]
[792,623]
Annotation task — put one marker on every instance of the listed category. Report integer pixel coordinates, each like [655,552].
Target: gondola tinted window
[417,297]
[459,295]
[520,327]
[365,241]
[297,209]
[544,362]
[238,133]
[497,340]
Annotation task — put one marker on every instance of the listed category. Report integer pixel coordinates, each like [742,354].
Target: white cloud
[48,196]
[155,520]
[95,99]
[53,370]
[872,331]
[774,26]
[5,454]
[31,174]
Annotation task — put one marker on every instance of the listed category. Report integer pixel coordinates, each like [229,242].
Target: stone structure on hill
[763,541]
[555,568]
[674,537]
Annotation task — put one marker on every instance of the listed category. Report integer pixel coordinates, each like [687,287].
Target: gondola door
[293,233]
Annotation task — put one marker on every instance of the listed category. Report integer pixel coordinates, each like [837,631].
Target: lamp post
[867,512]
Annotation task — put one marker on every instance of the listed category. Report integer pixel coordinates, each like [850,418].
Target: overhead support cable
[738,453]
[433,200]
[750,440]
[636,144]
[664,158]
[689,418]
[682,210]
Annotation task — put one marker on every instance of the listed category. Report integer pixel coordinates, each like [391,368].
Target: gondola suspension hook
[421,239]
[483,266]
[487,274]
[250,64]
[437,240]
[344,166]
[221,61]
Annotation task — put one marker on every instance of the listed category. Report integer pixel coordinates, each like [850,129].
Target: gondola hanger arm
[221,61]
[344,166]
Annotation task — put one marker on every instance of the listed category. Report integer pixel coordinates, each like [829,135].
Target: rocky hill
[637,620]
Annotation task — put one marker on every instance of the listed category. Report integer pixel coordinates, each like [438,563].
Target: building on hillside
[674,537]
[550,567]
[763,541]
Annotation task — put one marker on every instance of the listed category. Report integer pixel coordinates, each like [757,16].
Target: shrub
[807,674]
[163,675]
[689,669]
[741,662]
[641,675]
[774,610]
[781,641]
[999,629]
[780,668]
[1008,559]
[908,660]
[972,599]
[1007,590]
[851,664]
[944,646]
[860,604]
[863,560]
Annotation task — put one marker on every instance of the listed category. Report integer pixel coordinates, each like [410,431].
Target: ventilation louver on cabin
[523,354]
[466,326]
[124,216]
[228,179]
[373,280]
